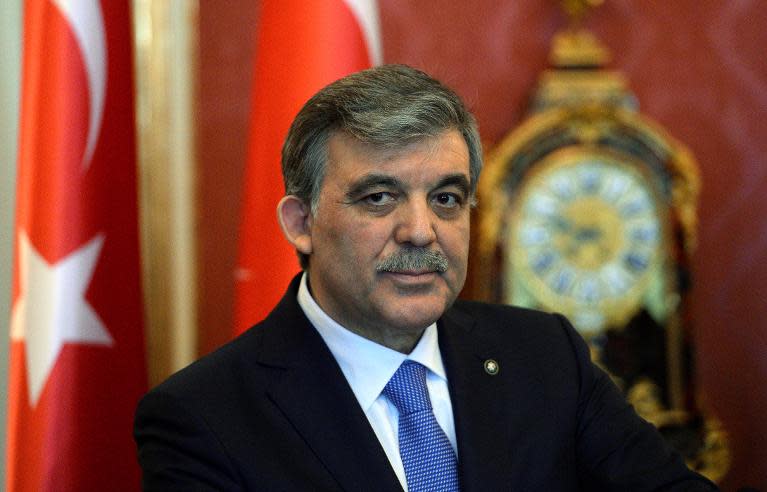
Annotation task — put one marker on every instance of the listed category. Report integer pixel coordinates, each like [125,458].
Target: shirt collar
[367,365]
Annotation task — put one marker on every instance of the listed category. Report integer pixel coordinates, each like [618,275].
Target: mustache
[410,259]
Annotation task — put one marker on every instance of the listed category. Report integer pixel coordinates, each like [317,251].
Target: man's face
[373,207]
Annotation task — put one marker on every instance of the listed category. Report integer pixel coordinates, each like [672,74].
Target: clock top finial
[577,9]
[576,47]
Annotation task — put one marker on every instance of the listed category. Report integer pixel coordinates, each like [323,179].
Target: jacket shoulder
[216,371]
[501,320]
[490,311]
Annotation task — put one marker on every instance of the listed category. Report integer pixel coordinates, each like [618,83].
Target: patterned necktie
[429,460]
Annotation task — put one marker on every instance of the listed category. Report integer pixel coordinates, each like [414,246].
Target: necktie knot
[407,388]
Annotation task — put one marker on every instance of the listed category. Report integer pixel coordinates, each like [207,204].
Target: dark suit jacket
[272,411]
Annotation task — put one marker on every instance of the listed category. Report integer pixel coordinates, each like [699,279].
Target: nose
[415,225]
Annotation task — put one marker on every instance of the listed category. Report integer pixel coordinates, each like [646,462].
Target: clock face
[585,238]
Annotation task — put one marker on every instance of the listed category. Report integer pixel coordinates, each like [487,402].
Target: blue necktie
[429,460]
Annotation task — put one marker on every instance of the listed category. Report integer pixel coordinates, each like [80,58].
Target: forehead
[446,153]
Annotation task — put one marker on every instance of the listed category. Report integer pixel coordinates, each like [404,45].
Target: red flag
[77,343]
[301,46]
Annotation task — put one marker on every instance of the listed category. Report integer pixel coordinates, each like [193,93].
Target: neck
[401,342]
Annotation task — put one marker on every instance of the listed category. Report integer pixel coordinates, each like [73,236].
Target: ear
[295,219]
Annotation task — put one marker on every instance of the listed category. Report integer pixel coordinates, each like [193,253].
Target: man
[369,376]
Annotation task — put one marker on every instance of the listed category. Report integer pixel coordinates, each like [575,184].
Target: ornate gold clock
[586,237]
[588,208]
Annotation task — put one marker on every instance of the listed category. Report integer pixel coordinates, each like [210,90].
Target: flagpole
[166,54]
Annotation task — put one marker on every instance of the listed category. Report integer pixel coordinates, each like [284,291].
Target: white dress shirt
[368,366]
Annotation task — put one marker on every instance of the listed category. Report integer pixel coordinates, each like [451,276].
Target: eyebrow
[457,180]
[369,181]
[364,184]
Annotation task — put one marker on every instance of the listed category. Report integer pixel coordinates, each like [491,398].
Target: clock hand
[562,224]
[585,234]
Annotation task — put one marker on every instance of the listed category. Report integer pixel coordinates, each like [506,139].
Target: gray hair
[386,107]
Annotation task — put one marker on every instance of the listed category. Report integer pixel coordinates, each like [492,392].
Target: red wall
[698,68]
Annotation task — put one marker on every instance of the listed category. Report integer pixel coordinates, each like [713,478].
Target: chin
[417,316]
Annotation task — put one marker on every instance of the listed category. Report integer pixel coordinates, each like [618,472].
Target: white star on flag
[52,310]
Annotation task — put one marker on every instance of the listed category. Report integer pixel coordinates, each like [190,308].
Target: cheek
[369,238]
[455,240]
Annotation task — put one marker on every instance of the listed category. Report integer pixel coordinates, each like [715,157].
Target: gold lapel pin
[492,367]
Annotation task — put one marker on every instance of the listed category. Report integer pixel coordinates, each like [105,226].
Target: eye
[448,200]
[378,198]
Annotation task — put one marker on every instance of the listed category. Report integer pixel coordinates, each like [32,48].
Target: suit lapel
[486,420]
[314,396]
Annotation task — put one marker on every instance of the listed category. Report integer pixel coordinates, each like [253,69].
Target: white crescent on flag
[87,23]
[366,13]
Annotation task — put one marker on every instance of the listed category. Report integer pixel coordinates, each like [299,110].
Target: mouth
[412,271]
[412,277]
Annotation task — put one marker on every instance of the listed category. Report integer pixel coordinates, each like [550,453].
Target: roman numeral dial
[585,237]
